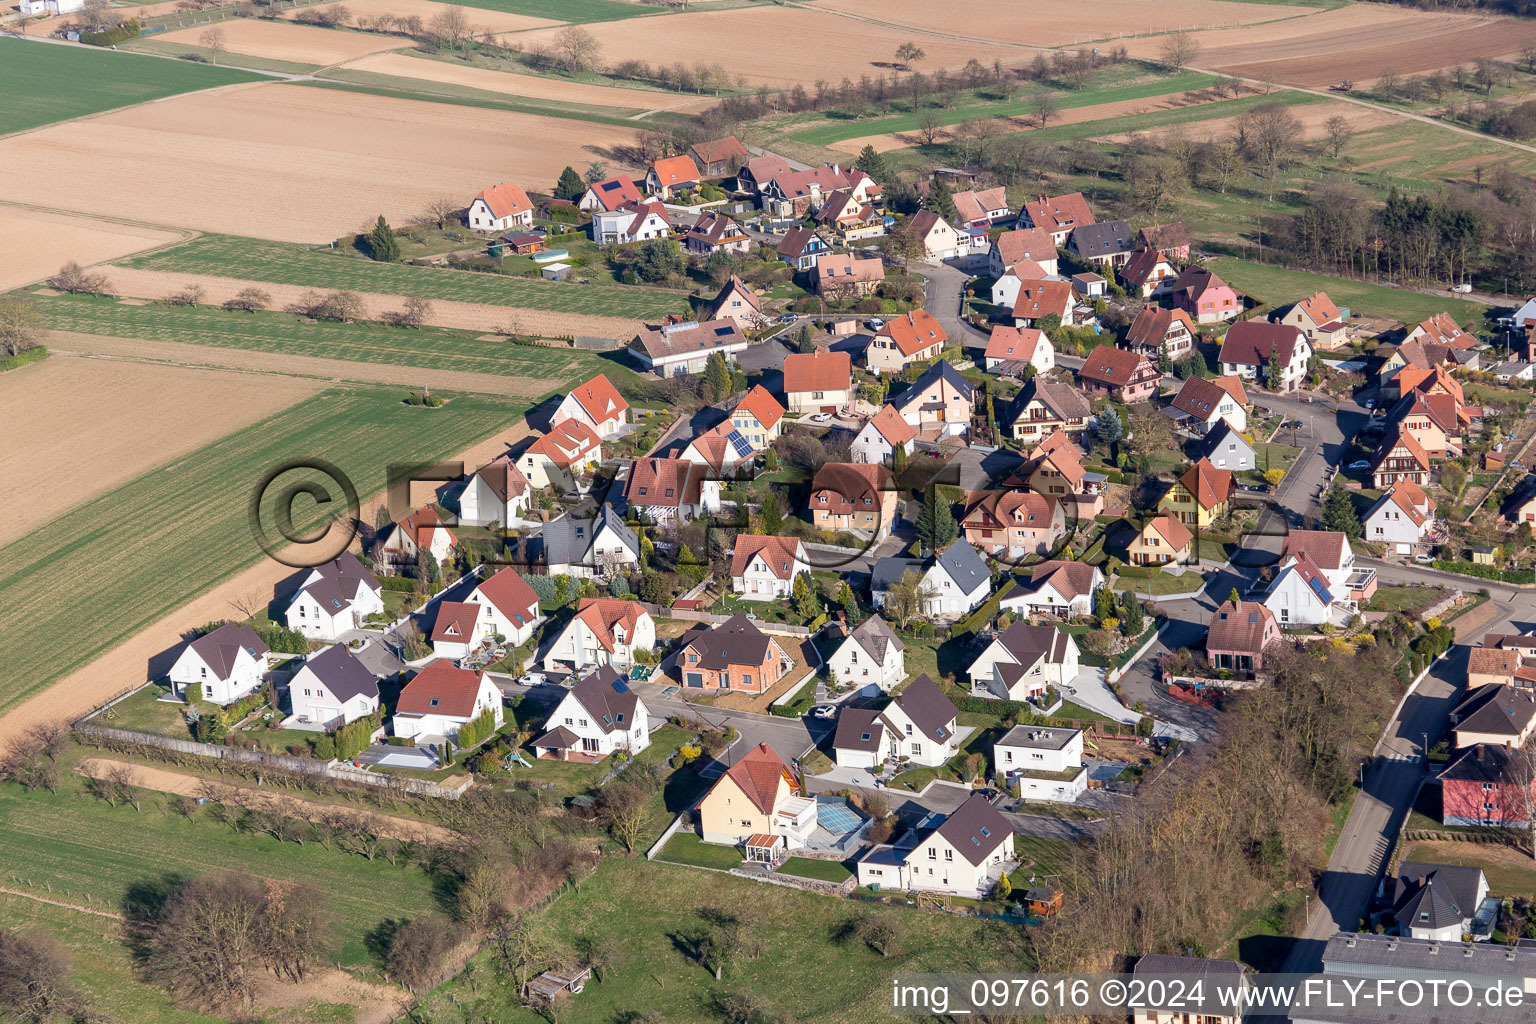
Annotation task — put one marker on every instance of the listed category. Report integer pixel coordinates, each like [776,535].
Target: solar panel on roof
[743,449]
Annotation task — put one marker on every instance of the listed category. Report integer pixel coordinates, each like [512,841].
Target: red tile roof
[762,405]
[896,431]
[1116,367]
[1238,626]
[845,485]
[1209,486]
[441,689]
[602,614]
[821,370]
[600,399]
[511,595]
[675,170]
[1168,527]
[1041,298]
[1014,342]
[1059,213]
[613,193]
[1199,397]
[1319,308]
[567,443]
[456,622]
[719,150]
[757,775]
[664,482]
[1151,326]
[1442,329]
[913,332]
[1008,508]
[972,205]
[779,554]
[1254,342]
[505,200]
[1070,579]
[1139,268]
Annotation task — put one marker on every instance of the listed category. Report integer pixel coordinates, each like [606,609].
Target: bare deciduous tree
[214,41]
[444,210]
[624,813]
[929,124]
[248,300]
[414,314]
[77,281]
[416,949]
[35,980]
[21,324]
[1337,130]
[1178,50]
[190,295]
[576,49]
[1045,106]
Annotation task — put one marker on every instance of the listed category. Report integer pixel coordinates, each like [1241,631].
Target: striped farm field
[43,84]
[288,263]
[86,581]
[544,368]
[69,847]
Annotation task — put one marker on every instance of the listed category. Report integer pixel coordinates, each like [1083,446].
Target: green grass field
[43,84]
[82,848]
[286,263]
[95,576]
[803,972]
[573,11]
[837,131]
[466,96]
[357,342]
[1278,286]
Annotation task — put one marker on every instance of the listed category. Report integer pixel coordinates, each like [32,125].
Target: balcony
[1361,584]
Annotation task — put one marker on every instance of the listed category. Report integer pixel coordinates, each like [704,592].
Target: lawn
[145,712]
[1277,286]
[1510,872]
[825,870]
[43,84]
[1402,599]
[572,778]
[124,559]
[75,849]
[688,848]
[1161,584]
[289,263]
[653,914]
[1046,857]
[356,342]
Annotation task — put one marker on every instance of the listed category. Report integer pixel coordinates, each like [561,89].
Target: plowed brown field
[37,243]
[283,40]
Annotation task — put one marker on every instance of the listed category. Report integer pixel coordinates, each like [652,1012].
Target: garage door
[694,679]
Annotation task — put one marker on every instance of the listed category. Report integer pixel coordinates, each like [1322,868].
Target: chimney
[1480,752]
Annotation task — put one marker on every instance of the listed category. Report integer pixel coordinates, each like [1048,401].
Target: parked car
[1360,464]
[788,318]
[874,323]
[820,417]
[824,711]
[1369,403]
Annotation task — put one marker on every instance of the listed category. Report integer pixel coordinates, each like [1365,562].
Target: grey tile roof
[1498,710]
[610,703]
[342,673]
[931,711]
[976,828]
[1350,949]
[967,568]
[940,369]
[568,540]
[221,647]
[876,637]
[1435,895]
[890,569]
[1106,238]
[1220,435]
[736,641]
[858,729]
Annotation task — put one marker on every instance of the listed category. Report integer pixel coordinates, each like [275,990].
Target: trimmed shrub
[802,703]
[34,354]
[284,641]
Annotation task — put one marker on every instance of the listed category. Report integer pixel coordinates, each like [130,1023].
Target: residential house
[598,716]
[1493,664]
[1486,786]
[1320,320]
[756,800]
[1042,764]
[1239,634]
[441,700]
[671,174]
[501,208]
[1515,370]
[849,219]
[671,489]
[1119,374]
[1200,496]
[758,418]
[1039,299]
[1442,329]
[1010,349]
[715,232]
[910,338]
[981,209]
[1204,296]
[1330,551]
[719,157]
[1202,404]
[1023,661]
[870,656]
[422,530]
[853,497]
[796,193]
[1300,595]
[953,583]
[333,688]
[1062,589]
[940,397]
[225,664]
[1229,974]
[1435,421]
[1056,215]
[508,606]
[1012,523]
[562,457]
[634,221]
[818,381]
[592,547]
[1087,285]
[940,241]
[1500,715]
[1148,274]
[1250,347]
[1024,245]
[456,631]
[839,276]
[1227,449]
[677,349]
[1005,289]
[1162,541]
[1437,901]
[962,853]
[1156,329]
[757,172]
[334,598]
[603,631]
[802,248]
[609,194]
[597,404]
[720,449]
[881,436]
[1172,240]
[497,495]
[1041,408]
[1054,468]
[734,655]
[737,303]
[1521,507]
[1400,457]
[1108,243]
[917,726]
[765,568]
[1401,518]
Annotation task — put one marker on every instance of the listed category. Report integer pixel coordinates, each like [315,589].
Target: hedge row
[984,614]
[800,705]
[284,641]
[35,354]
[476,729]
[1487,572]
[112,36]
[403,584]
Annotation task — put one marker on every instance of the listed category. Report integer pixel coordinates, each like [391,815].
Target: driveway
[943,292]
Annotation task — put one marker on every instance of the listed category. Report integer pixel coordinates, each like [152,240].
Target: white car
[820,417]
[824,711]
[874,324]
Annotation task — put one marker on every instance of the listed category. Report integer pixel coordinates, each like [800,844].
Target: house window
[933,854]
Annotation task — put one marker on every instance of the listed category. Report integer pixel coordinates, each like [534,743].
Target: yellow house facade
[1201,496]
[747,799]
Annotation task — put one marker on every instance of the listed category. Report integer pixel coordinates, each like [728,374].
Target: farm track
[22,893]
